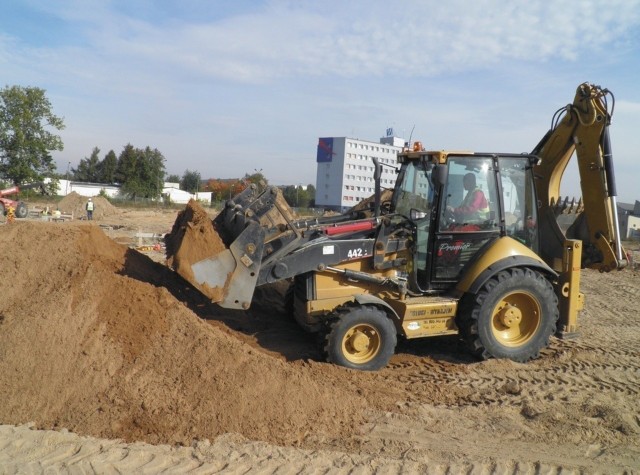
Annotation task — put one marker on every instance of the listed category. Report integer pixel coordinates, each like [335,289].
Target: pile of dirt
[193,239]
[75,203]
[98,339]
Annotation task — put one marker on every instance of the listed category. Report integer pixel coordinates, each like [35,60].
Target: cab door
[468,217]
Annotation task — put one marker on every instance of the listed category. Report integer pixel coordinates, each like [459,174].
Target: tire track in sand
[23,450]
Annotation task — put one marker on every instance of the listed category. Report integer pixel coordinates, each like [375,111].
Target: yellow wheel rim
[361,343]
[516,319]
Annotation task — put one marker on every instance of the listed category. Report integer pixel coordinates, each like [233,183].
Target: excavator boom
[581,128]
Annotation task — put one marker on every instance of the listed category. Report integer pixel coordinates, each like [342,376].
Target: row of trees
[139,171]
[28,136]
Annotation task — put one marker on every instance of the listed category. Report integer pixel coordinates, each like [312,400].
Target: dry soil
[111,362]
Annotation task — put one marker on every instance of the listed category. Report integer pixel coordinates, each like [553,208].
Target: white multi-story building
[344,175]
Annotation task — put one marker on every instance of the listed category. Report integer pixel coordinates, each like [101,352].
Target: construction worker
[90,207]
[474,207]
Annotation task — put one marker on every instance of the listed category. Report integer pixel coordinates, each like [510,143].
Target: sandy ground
[111,363]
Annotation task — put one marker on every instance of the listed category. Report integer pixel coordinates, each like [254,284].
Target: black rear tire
[512,316]
[361,337]
[21,210]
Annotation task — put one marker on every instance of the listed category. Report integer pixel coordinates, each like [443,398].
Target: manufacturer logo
[457,247]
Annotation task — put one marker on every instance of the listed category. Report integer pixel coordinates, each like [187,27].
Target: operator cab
[457,204]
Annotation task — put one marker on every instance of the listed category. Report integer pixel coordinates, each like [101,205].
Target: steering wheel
[448,216]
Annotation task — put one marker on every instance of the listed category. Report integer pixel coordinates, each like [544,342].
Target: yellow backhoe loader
[468,244]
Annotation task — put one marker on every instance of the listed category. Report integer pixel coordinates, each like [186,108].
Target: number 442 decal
[356,253]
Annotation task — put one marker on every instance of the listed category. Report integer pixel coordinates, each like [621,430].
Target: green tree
[289,194]
[190,181]
[126,167]
[141,172]
[107,168]
[25,137]
[158,171]
[311,196]
[173,179]
[89,168]
[298,196]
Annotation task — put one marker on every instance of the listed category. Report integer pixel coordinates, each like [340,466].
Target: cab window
[415,191]
[470,202]
[518,196]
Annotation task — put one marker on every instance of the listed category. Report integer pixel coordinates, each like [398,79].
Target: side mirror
[439,175]
[416,214]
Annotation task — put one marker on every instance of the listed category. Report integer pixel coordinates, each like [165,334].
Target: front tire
[512,316]
[361,337]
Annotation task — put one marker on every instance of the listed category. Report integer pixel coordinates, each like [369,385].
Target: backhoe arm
[581,127]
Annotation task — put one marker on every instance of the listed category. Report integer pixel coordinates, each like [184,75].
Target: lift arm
[581,127]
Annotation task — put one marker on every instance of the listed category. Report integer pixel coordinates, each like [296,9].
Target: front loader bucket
[191,240]
[222,258]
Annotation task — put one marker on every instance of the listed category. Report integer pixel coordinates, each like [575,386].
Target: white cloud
[333,39]
[418,39]
[486,74]
[357,39]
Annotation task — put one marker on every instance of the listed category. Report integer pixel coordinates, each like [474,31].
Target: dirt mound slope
[75,203]
[94,338]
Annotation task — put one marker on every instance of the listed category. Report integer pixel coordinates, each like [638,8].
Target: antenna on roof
[411,134]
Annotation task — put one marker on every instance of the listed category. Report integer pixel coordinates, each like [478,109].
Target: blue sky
[229,87]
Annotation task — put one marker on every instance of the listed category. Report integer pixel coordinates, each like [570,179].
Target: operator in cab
[474,207]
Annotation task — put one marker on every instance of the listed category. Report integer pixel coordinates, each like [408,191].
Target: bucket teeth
[567,206]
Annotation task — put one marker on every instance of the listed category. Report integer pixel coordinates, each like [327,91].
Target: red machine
[20,207]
